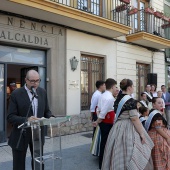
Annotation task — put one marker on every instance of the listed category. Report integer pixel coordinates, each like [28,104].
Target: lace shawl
[129,105]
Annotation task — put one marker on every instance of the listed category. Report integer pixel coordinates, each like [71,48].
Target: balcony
[107,18]
[149,29]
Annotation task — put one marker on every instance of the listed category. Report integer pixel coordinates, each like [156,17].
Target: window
[141,78]
[139,18]
[21,55]
[167,55]
[92,69]
[91,6]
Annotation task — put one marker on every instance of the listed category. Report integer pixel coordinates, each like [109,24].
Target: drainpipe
[152,61]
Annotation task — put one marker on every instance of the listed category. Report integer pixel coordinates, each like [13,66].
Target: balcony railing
[145,20]
[115,10]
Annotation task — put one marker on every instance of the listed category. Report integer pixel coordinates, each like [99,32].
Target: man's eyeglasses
[34,81]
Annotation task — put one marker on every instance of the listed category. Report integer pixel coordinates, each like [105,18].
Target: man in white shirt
[106,114]
[100,85]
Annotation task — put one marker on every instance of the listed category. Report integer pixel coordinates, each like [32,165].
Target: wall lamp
[73,63]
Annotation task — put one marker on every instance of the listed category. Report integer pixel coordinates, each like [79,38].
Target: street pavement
[75,154]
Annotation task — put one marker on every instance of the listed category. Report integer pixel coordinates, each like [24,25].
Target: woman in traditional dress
[156,126]
[128,146]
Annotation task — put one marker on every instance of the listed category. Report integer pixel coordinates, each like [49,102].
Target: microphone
[34,92]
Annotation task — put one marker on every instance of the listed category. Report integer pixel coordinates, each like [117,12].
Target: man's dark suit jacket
[18,107]
[166,100]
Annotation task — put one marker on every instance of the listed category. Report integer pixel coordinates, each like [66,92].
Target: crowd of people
[128,133]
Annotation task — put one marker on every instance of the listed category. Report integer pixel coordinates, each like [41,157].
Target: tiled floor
[75,153]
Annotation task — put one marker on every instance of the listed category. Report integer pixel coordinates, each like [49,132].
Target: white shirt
[164,94]
[105,104]
[155,94]
[163,103]
[94,100]
[132,95]
[34,102]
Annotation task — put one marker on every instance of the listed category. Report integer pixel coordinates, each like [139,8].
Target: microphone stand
[25,122]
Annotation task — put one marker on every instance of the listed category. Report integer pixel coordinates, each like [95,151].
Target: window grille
[92,69]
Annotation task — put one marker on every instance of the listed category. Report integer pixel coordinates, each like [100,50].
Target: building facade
[167,51]
[110,39]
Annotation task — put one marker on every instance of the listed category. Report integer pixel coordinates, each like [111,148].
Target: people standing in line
[100,86]
[149,96]
[144,101]
[19,104]
[156,126]
[128,144]
[144,112]
[153,90]
[106,114]
[166,98]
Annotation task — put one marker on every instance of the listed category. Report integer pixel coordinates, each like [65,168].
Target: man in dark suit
[18,107]
[166,98]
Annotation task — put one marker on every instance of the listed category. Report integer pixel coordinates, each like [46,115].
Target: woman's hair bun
[125,83]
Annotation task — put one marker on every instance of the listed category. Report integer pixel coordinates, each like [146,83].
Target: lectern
[47,150]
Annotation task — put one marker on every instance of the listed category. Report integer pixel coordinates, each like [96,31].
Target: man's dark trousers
[20,156]
[105,129]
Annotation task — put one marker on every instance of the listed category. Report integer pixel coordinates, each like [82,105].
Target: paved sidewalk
[75,153]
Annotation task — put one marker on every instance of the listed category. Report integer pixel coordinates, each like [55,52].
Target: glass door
[2,104]
[14,62]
